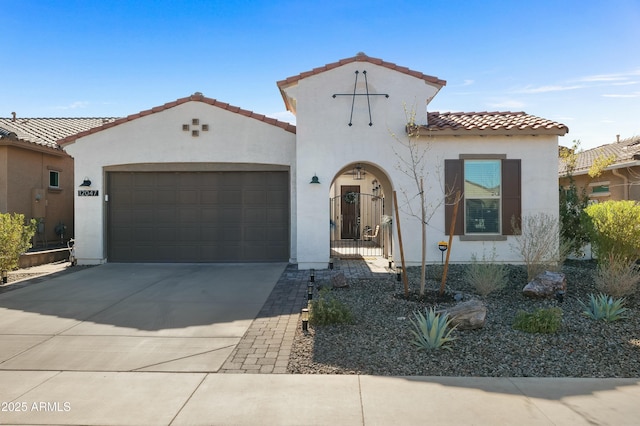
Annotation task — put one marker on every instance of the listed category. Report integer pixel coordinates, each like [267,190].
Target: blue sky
[577,62]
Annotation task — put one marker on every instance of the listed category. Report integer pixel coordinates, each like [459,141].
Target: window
[482,196]
[54,179]
[490,190]
[599,189]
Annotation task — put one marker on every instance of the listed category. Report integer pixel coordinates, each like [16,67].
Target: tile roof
[197,97]
[362,57]
[489,123]
[46,131]
[625,151]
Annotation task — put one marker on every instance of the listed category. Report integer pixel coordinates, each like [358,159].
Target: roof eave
[426,131]
[197,97]
[33,146]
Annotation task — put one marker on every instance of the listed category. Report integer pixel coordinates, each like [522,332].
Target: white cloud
[285,116]
[622,95]
[610,77]
[511,104]
[74,105]
[546,89]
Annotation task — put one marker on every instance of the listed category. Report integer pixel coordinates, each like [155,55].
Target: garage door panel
[254,215]
[230,197]
[254,197]
[140,197]
[230,214]
[208,196]
[198,217]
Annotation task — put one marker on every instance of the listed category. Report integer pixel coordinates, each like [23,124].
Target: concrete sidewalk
[132,398]
[38,390]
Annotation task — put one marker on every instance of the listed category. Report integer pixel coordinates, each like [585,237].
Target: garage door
[198,216]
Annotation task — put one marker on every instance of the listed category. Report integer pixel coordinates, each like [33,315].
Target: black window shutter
[453,182]
[511,195]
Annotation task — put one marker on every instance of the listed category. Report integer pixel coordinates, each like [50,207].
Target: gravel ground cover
[379,341]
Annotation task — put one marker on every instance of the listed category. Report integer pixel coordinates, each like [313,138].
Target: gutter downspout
[625,183]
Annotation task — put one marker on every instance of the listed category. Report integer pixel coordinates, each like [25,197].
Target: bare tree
[412,163]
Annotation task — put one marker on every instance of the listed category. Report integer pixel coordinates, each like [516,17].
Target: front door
[350,208]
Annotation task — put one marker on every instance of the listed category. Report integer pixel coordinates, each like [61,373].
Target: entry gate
[357,227]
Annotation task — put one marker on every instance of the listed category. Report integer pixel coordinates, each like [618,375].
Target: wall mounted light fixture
[86,182]
[315,179]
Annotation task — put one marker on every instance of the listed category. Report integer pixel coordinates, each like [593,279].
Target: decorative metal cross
[354,94]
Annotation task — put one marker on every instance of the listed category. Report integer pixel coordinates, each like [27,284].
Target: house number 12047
[87,193]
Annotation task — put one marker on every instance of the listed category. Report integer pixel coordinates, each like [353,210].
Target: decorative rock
[546,284]
[339,281]
[467,315]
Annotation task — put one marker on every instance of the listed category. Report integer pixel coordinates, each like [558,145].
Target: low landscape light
[305,319]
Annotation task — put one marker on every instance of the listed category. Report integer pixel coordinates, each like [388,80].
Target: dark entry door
[350,207]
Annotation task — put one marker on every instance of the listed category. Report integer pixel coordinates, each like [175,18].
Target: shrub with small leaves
[618,277]
[430,330]
[485,275]
[540,321]
[327,310]
[605,308]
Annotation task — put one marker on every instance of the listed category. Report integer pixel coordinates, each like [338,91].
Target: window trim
[57,173]
[511,195]
[495,197]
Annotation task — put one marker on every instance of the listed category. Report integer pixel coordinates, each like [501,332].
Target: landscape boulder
[339,281]
[547,284]
[467,315]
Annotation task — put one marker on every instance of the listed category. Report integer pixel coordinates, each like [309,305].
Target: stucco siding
[159,138]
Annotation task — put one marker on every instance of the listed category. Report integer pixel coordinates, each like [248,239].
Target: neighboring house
[36,175]
[619,166]
[198,180]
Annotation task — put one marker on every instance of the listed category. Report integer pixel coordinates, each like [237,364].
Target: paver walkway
[266,346]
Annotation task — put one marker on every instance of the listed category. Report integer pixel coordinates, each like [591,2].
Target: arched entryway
[360,212]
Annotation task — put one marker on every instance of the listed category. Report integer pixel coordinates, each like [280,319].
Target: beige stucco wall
[25,172]
[624,184]
[157,139]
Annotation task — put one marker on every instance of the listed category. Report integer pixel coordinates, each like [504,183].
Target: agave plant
[430,331]
[603,307]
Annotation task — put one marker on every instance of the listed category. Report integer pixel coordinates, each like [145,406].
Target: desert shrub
[605,308]
[538,242]
[614,229]
[617,277]
[485,275]
[15,239]
[540,321]
[327,310]
[430,330]
[572,227]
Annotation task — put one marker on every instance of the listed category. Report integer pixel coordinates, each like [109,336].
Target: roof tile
[361,57]
[625,151]
[495,122]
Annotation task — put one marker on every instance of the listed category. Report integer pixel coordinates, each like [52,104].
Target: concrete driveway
[133,317]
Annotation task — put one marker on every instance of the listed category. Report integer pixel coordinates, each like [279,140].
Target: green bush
[540,321]
[604,308]
[327,310]
[485,275]
[614,228]
[430,330]
[15,239]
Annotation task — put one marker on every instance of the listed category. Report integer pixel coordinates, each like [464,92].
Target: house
[618,174]
[199,180]
[36,175]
